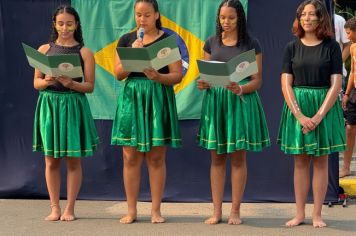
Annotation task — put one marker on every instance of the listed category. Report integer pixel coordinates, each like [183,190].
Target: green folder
[218,73]
[56,65]
[156,56]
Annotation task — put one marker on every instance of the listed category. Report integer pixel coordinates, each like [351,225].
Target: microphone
[141,33]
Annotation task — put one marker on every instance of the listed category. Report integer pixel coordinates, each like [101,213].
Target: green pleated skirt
[63,125]
[229,123]
[329,135]
[146,116]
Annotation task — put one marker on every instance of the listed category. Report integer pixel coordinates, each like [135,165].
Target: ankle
[55,206]
[217,213]
[69,208]
[156,212]
[316,214]
[345,168]
[300,215]
[132,212]
[235,210]
[234,213]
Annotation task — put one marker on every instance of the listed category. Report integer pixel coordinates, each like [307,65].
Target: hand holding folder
[57,65]
[218,73]
[156,56]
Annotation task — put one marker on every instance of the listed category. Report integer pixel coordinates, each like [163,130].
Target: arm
[353,64]
[120,74]
[201,84]
[173,77]
[350,83]
[89,74]
[346,51]
[253,85]
[256,79]
[330,98]
[39,82]
[335,84]
[289,97]
[342,39]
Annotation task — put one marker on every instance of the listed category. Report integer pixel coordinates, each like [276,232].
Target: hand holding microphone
[139,41]
[140,33]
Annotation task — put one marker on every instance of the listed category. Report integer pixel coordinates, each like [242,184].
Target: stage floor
[25,217]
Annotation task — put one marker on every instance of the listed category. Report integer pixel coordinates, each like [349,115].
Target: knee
[351,130]
[238,159]
[156,161]
[238,162]
[131,161]
[53,164]
[302,163]
[218,161]
[321,163]
[73,164]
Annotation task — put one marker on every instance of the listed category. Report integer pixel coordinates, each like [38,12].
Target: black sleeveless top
[55,49]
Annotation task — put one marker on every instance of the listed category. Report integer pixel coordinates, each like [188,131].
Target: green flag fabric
[105,21]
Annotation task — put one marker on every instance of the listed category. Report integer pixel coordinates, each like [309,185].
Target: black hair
[351,24]
[78,36]
[242,34]
[155,7]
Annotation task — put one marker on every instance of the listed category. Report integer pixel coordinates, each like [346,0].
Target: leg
[53,180]
[132,176]
[217,181]
[320,184]
[301,187]
[156,163]
[74,181]
[350,143]
[238,182]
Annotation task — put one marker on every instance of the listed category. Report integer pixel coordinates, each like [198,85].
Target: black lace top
[55,49]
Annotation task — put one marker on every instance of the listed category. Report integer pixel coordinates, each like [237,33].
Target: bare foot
[156,218]
[128,219]
[234,219]
[295,221]
[215,219]
[318,222]
[55,213]
[344,172]
[68,215]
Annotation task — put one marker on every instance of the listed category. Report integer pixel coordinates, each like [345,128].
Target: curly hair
[78,36]
[351,24]
[242,33]
[324,29]
[155,7]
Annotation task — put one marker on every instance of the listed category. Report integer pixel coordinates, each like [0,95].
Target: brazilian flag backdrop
[105,21]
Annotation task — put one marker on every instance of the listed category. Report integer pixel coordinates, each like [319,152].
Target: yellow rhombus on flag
[105,57]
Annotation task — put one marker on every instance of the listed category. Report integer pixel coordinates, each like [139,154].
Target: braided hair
[242,34]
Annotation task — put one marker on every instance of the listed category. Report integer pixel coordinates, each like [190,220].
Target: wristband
[300,115]
[238,94]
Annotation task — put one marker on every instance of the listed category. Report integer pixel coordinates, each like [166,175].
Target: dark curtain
[270,173]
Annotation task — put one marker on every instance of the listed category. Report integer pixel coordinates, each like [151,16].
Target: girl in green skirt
[232,120]
[146,118]
[63,124]
[312,123]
